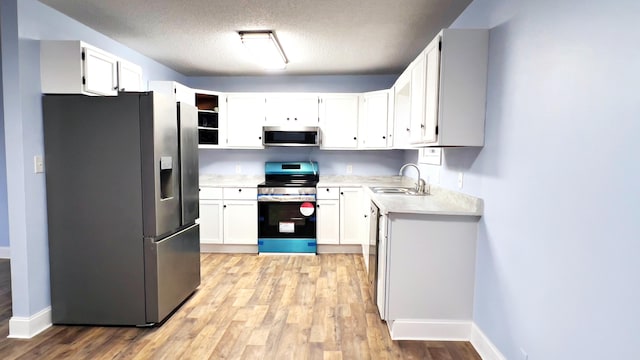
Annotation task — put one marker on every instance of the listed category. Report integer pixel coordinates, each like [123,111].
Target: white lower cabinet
[210,221]
[228,216]
[426,271]
[351,215]
[328,222]
[240,222]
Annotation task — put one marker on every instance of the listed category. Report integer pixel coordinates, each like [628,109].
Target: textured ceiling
[199,37]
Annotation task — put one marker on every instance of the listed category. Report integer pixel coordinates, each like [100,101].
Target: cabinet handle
[287,119]
[408,129]
[224,206]
[354,138]
[384,137]
[422,126]
[365,215]
[341,193]
[318,206]
[239,190]
[327,189]
[259,137]
[296,119]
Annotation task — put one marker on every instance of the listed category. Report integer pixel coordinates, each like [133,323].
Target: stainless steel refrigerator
[122,200]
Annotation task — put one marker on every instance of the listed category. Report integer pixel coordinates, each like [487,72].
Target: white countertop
[441,201]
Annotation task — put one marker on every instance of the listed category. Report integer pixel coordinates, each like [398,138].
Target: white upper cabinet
[417,96]
[178,91]
[74,67]
[129,77]
[448,90]
[339,121]
[245,118]
[402,111]
[373,129]
[292,109]
[100,72]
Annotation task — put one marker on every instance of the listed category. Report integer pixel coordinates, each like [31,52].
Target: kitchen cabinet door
[417,95]
[179,92]
[402,112]
[211,222]
[339,121]
[129,77]
[373,129]
[100,72]
[328,221]
[245,118]
[351,215]
[240,222]
[292,109]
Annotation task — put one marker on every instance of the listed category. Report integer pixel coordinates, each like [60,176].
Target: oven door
[287,226]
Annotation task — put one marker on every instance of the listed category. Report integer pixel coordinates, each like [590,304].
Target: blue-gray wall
[330,162]
[558,250]
[4,217]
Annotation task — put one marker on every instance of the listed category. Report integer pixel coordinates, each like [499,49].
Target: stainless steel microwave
[290,135]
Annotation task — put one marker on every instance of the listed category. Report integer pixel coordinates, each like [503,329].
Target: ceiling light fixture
[264,48]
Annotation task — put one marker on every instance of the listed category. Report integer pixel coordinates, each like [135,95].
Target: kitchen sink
[395,190]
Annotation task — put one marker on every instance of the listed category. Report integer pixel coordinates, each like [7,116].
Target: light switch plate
[460,178]
[38,164]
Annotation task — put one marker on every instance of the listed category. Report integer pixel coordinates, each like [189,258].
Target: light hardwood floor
[247,307]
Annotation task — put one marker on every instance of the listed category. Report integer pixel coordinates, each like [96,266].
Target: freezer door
[160,165]
[189,187]
[172,271]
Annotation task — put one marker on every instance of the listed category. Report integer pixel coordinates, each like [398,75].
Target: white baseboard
[483,345]
[339,249]
[28,327]
[438,330]
[229,248]
[5,252]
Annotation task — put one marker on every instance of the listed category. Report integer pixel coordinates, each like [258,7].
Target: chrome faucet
[420,184]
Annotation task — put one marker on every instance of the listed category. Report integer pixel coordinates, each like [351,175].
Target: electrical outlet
[38,164]
[349,169]
[460,178]
[238,169]
[524,355]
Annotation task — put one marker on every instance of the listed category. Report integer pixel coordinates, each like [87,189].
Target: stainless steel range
[287,208]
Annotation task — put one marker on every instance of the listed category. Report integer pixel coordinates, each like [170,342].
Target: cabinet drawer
[212,193]
[240,193]
[328,193]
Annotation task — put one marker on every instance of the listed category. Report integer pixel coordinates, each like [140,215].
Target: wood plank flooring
[247,307]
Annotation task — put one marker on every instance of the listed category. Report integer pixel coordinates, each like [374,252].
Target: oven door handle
[276,198]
